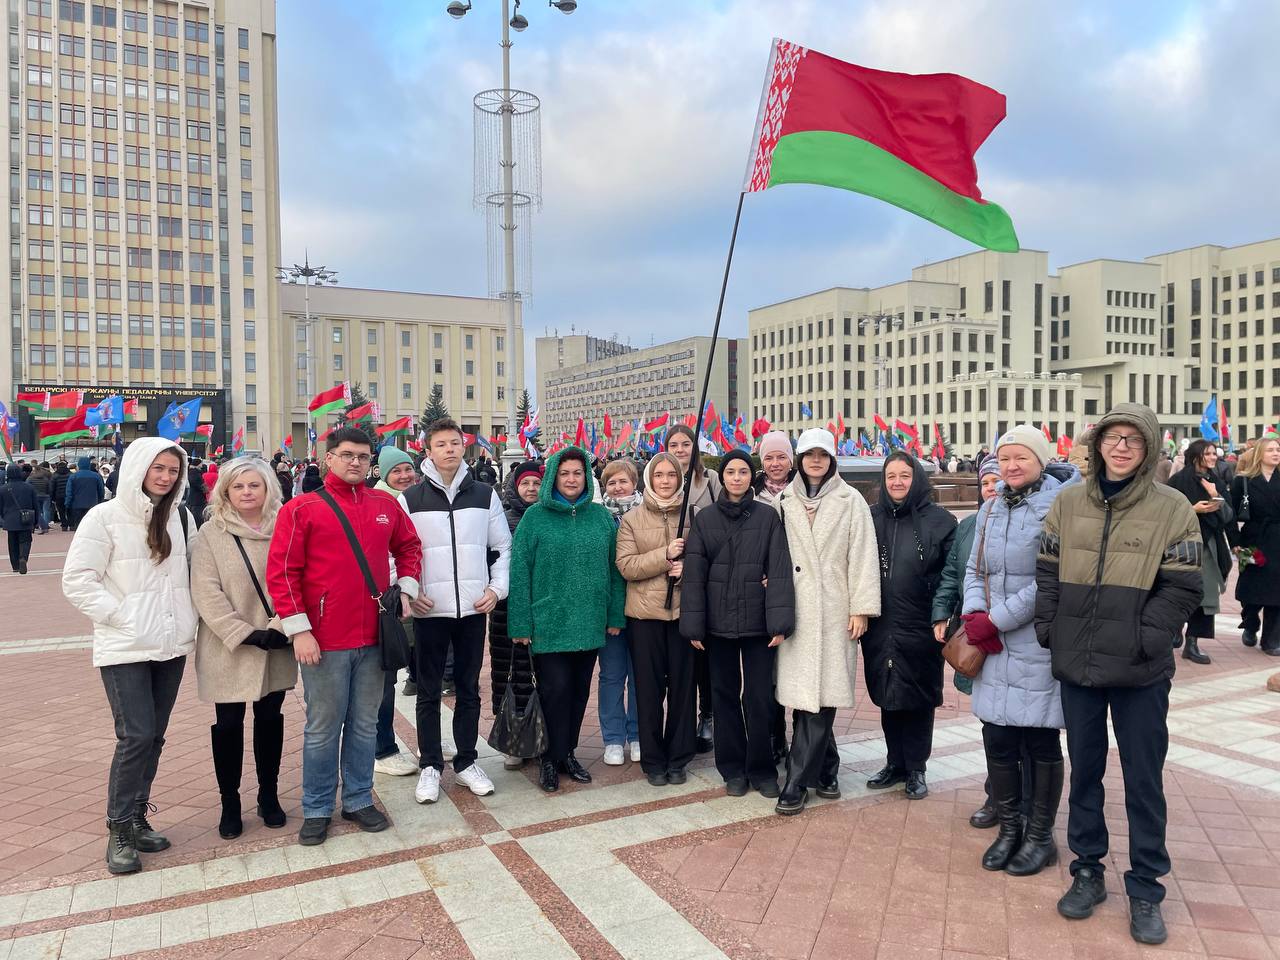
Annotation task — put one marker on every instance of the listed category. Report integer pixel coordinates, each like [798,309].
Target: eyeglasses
[347,457]
[1130,442]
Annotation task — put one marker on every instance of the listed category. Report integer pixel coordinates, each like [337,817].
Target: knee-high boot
[805,756]
[268,743]
[1006,789]
[228,757]
[1038,849]
[828,785]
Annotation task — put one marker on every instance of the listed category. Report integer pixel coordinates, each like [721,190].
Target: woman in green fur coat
[566,594]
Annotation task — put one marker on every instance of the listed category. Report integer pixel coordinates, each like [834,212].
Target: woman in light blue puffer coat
[1015,696]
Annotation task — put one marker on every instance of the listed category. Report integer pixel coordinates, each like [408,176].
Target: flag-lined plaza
[933,617]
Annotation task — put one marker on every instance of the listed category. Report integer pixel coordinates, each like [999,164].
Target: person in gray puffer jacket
[1016,696]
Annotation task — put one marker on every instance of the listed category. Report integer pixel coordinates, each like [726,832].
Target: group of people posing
[751,601]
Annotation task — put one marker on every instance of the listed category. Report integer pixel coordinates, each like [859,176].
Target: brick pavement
[616,869]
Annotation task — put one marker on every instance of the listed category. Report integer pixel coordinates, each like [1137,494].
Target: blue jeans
[342,694]
[617,725]
[42,510]
[386,745]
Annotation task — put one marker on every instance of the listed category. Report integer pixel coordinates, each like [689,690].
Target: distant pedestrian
[19,508]
[85,490]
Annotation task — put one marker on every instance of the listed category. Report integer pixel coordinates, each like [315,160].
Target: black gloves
[266,640]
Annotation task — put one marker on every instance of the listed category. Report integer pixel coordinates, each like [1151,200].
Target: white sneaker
[476,780]
[512,763]
[448,749]
[428,789]
[396,765]
[635,753]
[613,754]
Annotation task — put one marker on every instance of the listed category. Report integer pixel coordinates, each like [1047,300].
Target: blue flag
[179,419]
[805,409]
[1209,420]
[108,410]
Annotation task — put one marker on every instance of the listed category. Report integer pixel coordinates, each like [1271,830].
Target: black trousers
[663,665]
[433,638]
[61,515]
[742,695]
[908,736]
[1200,625]
[1264,621]
[814,758]
[564,685]
[77,514]
[19,547]
[1011,746]
[702,677]
[1139,717]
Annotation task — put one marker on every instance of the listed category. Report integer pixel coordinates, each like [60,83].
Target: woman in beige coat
[241,654]
[837,583]
[648,553]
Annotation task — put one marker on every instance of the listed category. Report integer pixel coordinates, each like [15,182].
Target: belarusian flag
[366,411]
[59,431]
[38,400]
[903,138]
[657,422]
[328,401]
[71,400]
[395,428]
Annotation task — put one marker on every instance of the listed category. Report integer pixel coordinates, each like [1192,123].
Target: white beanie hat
[816,439]
[1025,435]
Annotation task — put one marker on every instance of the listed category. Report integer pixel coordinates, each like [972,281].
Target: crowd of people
[712,615]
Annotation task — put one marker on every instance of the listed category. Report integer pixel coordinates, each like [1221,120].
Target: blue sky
[1133,128]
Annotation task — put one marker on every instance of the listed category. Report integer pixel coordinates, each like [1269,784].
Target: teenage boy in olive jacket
[1117,575]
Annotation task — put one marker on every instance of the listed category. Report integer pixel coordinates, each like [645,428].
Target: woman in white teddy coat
[837,583]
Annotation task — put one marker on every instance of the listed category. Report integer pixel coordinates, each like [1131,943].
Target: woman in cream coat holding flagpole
[833,555]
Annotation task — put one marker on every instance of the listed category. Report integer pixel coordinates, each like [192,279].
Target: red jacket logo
[383,519]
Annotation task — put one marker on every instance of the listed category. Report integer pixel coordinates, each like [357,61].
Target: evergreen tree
[435,409]
[523,408]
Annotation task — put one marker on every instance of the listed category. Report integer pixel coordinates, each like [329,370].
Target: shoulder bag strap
[248,564]
[355,545]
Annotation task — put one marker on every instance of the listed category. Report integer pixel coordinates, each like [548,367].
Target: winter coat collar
[799,489]
[460,479]
[1136,415]
[238,528]
[735,511]
[547,495]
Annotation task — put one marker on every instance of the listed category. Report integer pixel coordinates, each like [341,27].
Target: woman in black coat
[901,658]
[737,602]
[1202,484]
[18,506]
[1258,588]
[519,493]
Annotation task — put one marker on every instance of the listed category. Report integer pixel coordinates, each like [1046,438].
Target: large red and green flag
[396,428]
[60,431]
[330,401]
[903,138]
[657,422]
[67,402]
[366,411]
[34,400]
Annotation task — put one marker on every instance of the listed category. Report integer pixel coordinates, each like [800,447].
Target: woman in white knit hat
[837,585]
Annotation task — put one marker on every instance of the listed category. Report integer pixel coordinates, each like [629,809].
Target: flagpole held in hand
[706,384]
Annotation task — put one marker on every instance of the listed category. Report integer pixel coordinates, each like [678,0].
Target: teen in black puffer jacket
[734,547]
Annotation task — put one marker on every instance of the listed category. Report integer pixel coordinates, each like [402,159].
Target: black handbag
[392,642]
[519,733]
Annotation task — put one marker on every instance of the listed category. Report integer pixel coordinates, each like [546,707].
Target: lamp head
[519,22]
[457,9]
[564,6]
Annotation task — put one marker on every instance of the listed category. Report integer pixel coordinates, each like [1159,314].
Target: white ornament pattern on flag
[773,110]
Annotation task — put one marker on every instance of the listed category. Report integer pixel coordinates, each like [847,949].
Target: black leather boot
[549,776]
[228,758]
[1006,791]
[706,734]
[985,817]
[145,837]
[794,794]
[1038,849]
[268,743]
[1192,651]
[829,775]
[1177,640]
[122,852]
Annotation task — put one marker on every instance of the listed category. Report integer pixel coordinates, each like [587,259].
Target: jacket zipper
[893,548]
[1097,581]
[453,545]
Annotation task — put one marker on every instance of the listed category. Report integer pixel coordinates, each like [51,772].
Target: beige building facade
[975,344]
[553,352]
[1221,307]
[645,383]
[397,346]
[144,204]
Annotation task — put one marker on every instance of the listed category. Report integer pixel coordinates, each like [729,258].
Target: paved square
[614,869]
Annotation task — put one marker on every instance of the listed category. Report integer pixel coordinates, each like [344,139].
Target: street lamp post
[307,275]
[458,9]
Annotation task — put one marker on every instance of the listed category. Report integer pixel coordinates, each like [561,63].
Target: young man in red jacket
[320,595]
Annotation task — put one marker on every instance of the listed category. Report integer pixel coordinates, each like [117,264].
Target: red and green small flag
[60,431]
[396,428]
[330,401]
[70,401]
[366,411]
[33,400]
[903,138]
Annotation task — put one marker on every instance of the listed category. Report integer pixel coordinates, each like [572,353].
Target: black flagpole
[706,383]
